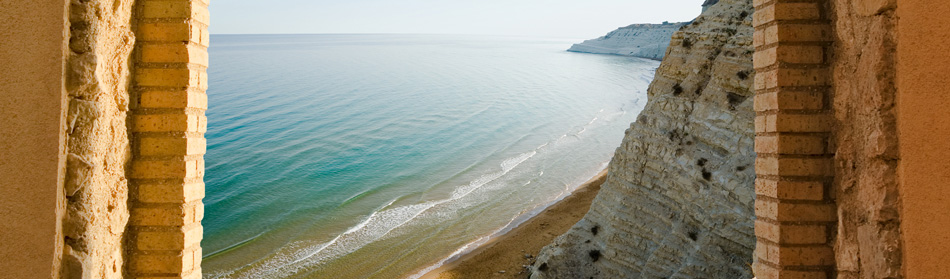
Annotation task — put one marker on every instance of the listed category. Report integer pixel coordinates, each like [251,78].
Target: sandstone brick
[789,54]
[166,123]
[167,169]
[790,190]
[791,234]
[182,31]
[791,144]
[171,193]
[768,272]
[166,215]
[765,80]
[808,167]
[171,77]
[795,212]
[789,100]
[788,33]
[157,263]
[195,10]
[174,53]
[801,77]
[173,99]
[798,123]
[786,11]
[171,146]
[177,240]
[807,256]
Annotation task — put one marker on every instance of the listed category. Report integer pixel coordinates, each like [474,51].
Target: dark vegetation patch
[743,75]
[740,168]
[543,267]
[693,235]
[687,43]
[594,255]
[735,99]
[594,230]
[706,174]
[677,89]
[743,14]
[701,162]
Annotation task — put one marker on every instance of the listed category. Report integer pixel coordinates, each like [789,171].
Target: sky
[538,18]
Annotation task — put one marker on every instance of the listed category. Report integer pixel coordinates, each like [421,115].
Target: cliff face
[638,40]
[678,201]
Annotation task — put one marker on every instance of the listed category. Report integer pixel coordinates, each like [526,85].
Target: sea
[384,156]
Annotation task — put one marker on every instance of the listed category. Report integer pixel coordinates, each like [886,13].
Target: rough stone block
[81,112]
[873,7]
[78,173]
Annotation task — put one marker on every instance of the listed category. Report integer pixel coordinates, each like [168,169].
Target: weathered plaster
[923,63]
[32,46]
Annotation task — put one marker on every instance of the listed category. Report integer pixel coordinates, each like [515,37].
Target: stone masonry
[795,210]
[168,126]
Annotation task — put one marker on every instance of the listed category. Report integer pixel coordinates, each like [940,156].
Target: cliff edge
[678,201]
[639,40]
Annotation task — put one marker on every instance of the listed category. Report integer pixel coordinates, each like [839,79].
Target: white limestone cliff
[638,40]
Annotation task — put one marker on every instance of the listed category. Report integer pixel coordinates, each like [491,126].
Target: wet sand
[506,255]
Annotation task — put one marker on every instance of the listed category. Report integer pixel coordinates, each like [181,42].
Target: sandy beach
[507,255]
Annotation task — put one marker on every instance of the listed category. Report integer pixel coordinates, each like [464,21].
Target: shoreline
[506,255]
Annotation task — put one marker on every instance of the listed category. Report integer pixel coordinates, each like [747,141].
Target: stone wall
[168,125]
[97,81]
[678,201]
[868,240]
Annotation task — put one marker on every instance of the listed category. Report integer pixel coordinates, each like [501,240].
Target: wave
[299,256]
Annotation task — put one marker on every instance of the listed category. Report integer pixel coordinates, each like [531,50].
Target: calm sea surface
[379,156]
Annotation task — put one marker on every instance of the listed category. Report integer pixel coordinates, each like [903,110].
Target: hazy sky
[546,18]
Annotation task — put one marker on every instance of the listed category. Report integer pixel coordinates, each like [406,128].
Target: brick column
[795,211]
[168,125]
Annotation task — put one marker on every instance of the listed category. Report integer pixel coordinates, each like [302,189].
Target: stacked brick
[168,126]
[795,210]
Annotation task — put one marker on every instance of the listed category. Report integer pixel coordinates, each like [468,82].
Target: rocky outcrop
[678,201]
[637,40]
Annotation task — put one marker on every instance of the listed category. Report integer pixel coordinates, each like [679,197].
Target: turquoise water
[380,156]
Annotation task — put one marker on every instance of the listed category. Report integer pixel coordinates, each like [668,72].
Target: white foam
[375,227]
